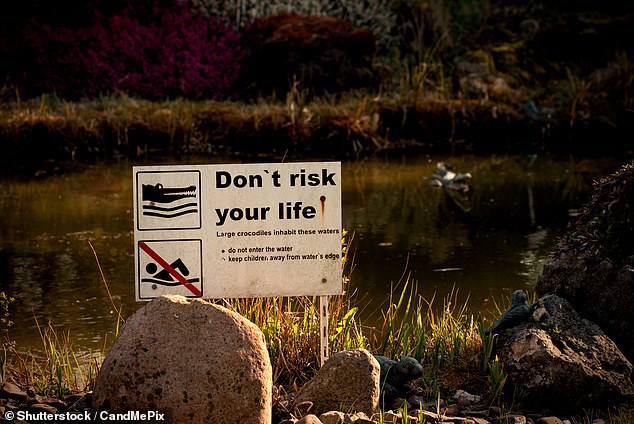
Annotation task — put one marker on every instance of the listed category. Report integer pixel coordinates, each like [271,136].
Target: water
[402,227]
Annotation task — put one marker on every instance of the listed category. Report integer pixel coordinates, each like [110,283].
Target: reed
[56,368]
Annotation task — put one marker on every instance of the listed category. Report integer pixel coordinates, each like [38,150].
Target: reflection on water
[401,225]
[406,226]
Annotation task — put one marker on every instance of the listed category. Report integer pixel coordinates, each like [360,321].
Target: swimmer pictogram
[170,267]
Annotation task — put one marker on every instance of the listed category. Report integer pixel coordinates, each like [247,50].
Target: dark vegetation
[83,79]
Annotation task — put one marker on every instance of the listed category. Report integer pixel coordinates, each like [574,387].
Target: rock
[389,417]
[429,416]
[465,399]
[549,420]
[54,402]
[332,417]
[591,266]
[510,419]
[565,362]
[84,403]
[348,381]
[12,391]
[309,419]
[362,418]
[196,361]
[42,407]
[323,53]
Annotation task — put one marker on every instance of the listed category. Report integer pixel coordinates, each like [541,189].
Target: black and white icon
[164,278]
[169,267]
[168,200]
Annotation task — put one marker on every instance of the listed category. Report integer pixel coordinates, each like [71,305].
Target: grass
[448,341]
[351,122]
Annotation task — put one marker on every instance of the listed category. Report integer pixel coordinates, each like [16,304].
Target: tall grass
[57,368]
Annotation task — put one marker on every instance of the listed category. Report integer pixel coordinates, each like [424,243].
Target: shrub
[153,52]
[375,15]
[320,53]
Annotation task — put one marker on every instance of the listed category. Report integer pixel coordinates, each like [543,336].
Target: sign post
[239,230]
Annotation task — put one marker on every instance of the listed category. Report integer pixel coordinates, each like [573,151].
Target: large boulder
[593,265]
[348,381]
[198,362]
[562,361]
[322,53]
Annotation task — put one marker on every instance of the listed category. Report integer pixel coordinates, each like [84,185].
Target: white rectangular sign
[239,230]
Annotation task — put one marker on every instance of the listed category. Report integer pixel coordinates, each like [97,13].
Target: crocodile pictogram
[159,194]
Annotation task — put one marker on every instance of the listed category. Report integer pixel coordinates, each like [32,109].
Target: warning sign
[246,230]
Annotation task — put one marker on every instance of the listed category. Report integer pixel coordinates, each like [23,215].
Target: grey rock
[348,381]
[197,361]
[12,391]
[564,362]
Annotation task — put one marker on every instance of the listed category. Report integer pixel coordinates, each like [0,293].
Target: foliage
[154,52]
[5,321]
[604,228]
[56,369]
[375,15]
[427,27]
[497,379]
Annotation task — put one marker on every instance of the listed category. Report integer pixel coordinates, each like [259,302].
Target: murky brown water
[401,224]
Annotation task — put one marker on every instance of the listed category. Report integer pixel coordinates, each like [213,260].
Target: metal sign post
[323,329]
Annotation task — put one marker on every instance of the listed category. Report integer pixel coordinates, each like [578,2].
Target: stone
[362,418]
[549,420]
[466,398]
[194,360]
[348,381]
[332,417]
[478,420]
[42,407]
[564,362]
[593,265]
[12,391]
[392,417]
[510,419]
[434,417]
[309,419]
[83,403]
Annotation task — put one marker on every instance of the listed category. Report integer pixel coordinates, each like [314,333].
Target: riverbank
[40,134]
[461,383]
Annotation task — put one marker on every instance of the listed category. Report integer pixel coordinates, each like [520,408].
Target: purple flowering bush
[150,51]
